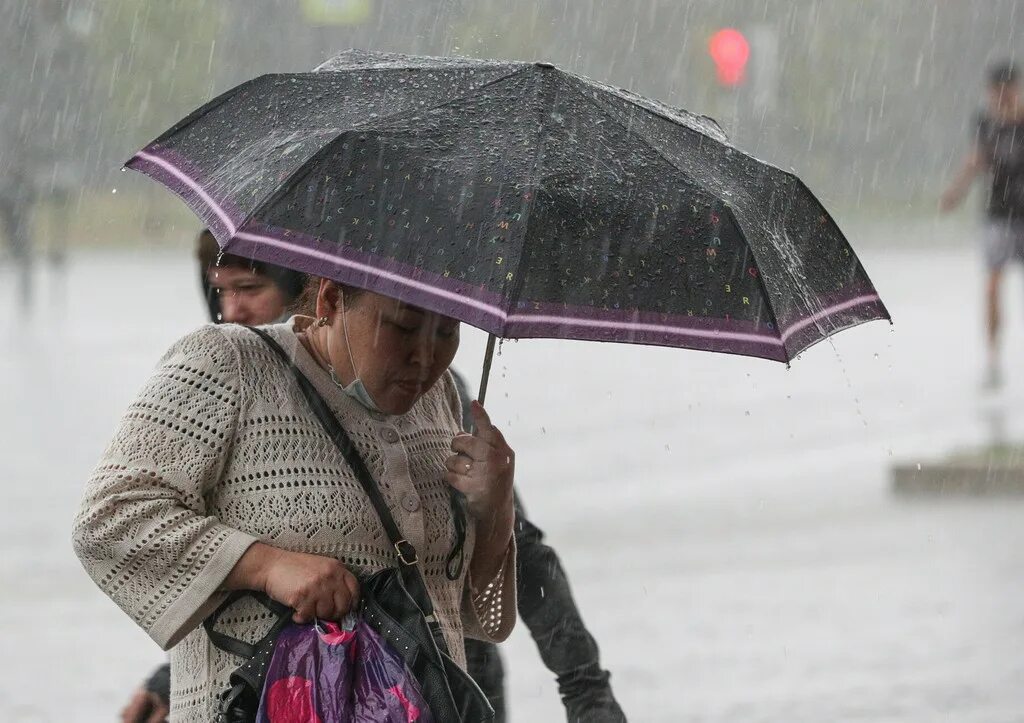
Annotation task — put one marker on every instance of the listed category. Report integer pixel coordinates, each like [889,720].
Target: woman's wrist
[252,569]
[497,517]
[493,536]
[493,507]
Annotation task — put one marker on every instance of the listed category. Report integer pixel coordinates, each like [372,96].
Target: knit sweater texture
[219,450]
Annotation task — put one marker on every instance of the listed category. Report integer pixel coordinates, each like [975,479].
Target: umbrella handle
[488,356]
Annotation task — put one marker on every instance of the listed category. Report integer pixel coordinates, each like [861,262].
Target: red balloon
[730,51]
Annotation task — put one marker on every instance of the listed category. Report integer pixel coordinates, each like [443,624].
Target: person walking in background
[17,197]
[238,290]
[998,153]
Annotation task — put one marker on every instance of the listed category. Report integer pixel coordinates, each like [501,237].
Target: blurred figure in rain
[17,196]
[998,154]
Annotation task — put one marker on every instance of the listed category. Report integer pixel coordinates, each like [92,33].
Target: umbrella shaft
[488,356]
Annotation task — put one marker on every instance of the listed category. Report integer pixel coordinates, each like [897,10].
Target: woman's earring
[322,321]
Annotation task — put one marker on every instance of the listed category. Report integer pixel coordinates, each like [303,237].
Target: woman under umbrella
[219,477]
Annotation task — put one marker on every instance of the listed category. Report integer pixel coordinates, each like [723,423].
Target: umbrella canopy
[519,198]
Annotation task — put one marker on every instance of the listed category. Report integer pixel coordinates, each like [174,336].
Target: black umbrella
[521,199]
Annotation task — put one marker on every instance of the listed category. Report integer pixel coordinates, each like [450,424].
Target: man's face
[245,296]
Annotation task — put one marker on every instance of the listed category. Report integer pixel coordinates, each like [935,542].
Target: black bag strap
[405,550]
[239,647]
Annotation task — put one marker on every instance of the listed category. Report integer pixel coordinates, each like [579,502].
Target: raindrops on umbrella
[522,199]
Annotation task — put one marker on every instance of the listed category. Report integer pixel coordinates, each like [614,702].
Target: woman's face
[246,297]
[398,350]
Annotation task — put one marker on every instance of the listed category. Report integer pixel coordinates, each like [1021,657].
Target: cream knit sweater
[219,450]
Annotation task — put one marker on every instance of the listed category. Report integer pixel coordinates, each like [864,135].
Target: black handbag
[395,602]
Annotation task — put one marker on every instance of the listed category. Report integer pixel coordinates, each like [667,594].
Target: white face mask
[356,390]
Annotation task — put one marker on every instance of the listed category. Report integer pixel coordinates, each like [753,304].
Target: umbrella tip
[546,66]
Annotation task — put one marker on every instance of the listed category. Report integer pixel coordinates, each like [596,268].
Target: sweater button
[411,503]
[390,435]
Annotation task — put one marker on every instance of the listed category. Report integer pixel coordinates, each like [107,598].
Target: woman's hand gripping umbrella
[482,469]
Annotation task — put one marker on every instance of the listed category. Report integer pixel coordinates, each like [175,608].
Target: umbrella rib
[513,297]
[728,207]
[651,106]
[307,166]
[604,111]
[760,280]
[203,110]
[682,126]
[624,95]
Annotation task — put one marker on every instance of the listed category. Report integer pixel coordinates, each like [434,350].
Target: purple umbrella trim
[474,305]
